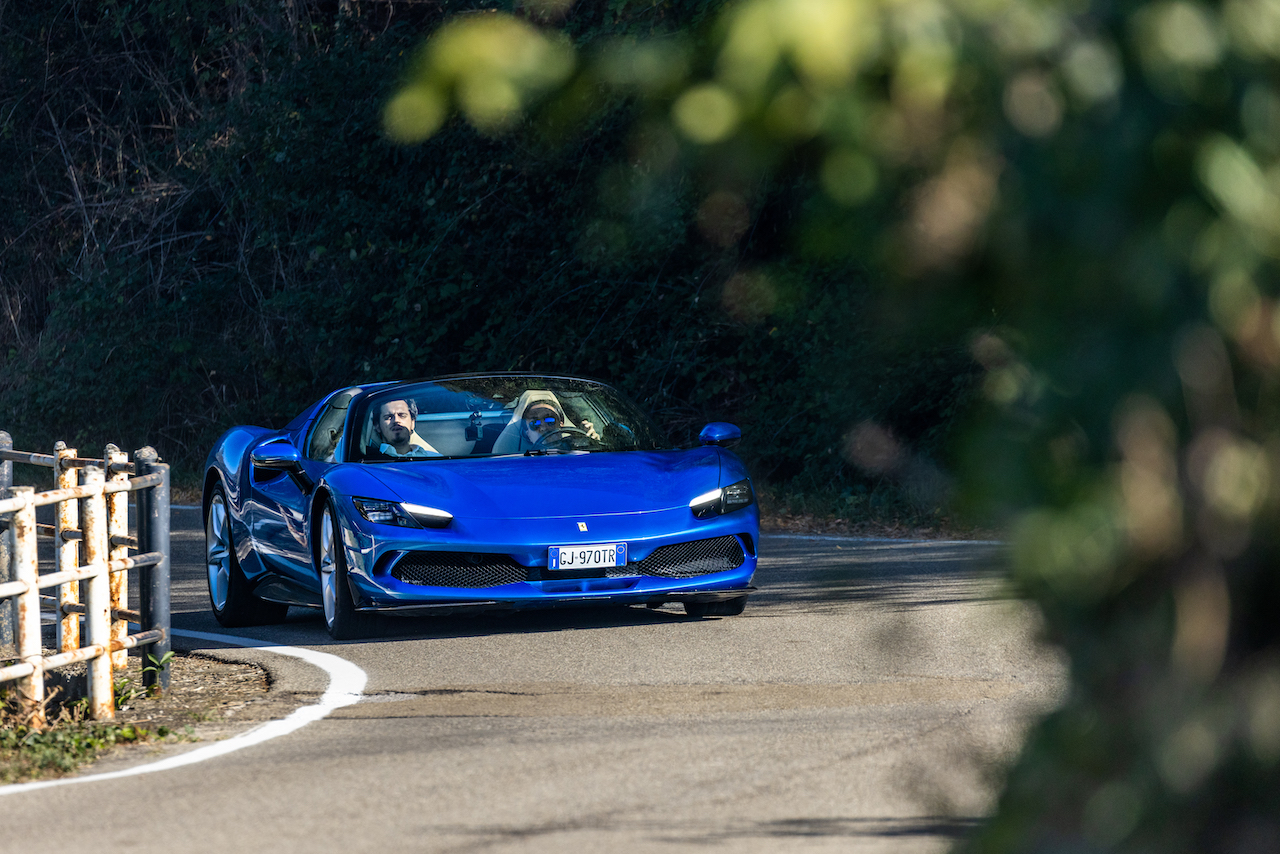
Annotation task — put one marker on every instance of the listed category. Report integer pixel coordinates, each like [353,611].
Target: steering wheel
[564,433]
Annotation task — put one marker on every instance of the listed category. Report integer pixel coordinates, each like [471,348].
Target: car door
[281,499]
[277,524]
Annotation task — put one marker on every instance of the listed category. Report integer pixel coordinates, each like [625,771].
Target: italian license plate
[587,557]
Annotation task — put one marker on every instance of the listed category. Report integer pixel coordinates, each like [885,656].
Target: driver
[393,423]
[540,419]
[543,418]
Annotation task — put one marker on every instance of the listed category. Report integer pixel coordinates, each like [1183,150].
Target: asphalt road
[864,702]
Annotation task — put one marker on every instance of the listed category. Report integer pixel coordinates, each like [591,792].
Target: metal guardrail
[92,545]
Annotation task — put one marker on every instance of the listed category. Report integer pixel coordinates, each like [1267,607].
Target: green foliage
[257,242]
[156,666]
[125,692]
[28,753]
[1091,188]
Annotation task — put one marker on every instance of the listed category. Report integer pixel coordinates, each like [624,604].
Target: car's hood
[555,485]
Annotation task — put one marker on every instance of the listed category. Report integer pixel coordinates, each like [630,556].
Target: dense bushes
[208,228]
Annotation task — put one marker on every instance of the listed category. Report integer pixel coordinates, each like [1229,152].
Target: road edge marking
[346,685]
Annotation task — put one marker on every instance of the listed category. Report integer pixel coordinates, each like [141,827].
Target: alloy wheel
[217,542]
[328,577]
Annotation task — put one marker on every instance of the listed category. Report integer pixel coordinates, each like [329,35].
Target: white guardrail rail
[91,552]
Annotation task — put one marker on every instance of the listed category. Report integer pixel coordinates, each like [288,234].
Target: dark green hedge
[208,228]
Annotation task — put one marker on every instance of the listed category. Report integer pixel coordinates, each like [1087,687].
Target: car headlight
[404,515]
[735,496]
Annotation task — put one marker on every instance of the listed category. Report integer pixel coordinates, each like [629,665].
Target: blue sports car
[474,492]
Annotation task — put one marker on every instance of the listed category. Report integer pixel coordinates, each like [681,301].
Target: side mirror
[281,455]
[720,433]
[277,456]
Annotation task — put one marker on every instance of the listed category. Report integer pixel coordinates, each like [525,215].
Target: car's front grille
[458,569]
[479,569]
[685,560]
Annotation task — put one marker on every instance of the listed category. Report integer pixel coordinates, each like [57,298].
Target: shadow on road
[583,618]
[814,572]
[944,826]
[306,627]
[672,833]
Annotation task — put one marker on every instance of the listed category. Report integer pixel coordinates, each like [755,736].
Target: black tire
[234,606]
[341,618]
[724,608]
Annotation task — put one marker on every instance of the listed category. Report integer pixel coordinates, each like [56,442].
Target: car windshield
[496,416]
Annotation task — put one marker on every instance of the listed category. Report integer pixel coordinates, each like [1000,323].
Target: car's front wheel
[341,618]
[230,598]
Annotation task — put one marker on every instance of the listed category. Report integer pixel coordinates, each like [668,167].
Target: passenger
[393,423]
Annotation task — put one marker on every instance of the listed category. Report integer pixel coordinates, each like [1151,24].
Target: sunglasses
[535,423]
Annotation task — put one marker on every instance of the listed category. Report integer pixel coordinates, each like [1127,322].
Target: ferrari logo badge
[582,526]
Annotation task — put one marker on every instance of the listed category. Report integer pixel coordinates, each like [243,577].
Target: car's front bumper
[374,550]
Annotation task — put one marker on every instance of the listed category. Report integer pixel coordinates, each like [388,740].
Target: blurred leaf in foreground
[1094,189]
[487,66]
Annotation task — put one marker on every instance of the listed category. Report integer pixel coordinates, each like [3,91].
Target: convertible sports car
[474,492]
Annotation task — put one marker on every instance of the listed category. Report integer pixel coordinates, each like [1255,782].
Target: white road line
[346,682]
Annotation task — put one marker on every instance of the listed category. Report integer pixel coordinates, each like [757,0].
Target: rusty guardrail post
[66,548]
[105,541]
[97,617]
[26,569]
[7,637]
[115,462]
[153,588]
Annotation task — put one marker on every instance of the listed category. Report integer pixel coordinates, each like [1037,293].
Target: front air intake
[458,569]
[686,560]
